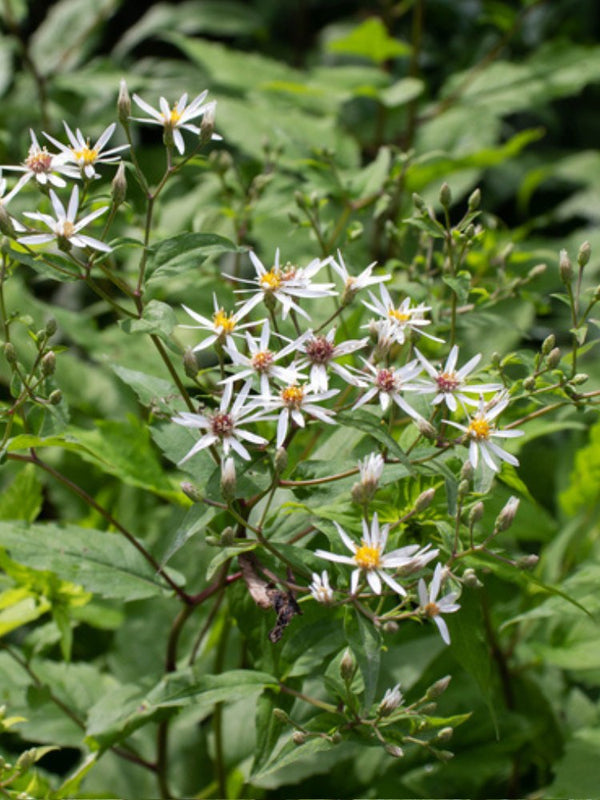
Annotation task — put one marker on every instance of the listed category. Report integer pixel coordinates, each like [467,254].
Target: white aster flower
[294,401]
[399,320]
[449,383]
[261,361]
[481,430]
[45,167]
[222,327]
[83,155]
[368,557]
[320,352]
[176,118]
[223,426]
[433,608]
[388,383]
[284,284]
[320,588]
[64,227]
[354,283]
[391,700]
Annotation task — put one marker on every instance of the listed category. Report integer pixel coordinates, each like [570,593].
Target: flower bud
[123,104]
[425,428]
[536,271]
[347,666]
[207,126]
[444,735]
[394,750]
[191,491]
[228,479]
[6,223]
[529,383]
[470,579]
[190,363]
[51,327]
[476,513]
[280,715]
[48,364]
[548,344]
[119,185]
[427,709]
[391,700]
[474,200]
[336,737]
[528,562]
[583,256]
[10,354]
[445,195]
[466,472]
[281,460]
[597,293]
[424,499]
[418,202]
[506,517]
[438,688]
[464,488]
[553,358]
[298,738]
[55,397]
[580,378]
[227,537]
[390,626]
[565,268]
[470,231]
[445,755]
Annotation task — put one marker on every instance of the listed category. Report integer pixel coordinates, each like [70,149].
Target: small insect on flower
[433,608]
[368,557]
[480,431]
[176,118]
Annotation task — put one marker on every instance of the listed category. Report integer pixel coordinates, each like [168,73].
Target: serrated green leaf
[460,285]
[23,498]
[184,252]
[159,319]
[372,425]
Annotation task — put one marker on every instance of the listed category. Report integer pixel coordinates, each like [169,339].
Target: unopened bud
[10,354]
[425,428]
[228,479]
[48,363]
[207,126]
[470,231]
[476,513]
[506,517]
[565,268]
[528,562]
[227,537]
[336,737]
[418,202]
[496,358]
[424,499]
[464,487]
[394,750]
[55,397]
[123,104]
[427,709]
[444,755]
[347,667]
[597,293]
[536,271]
[390,626]
[6,223]
[26,760]
[119,185]
[438,688]
[391,700]
[280,715]
[470,579]
[583,256]
[298,738]
[580,378]
[529,383]
[466,472]
[281,460]
[553,358]
[444,735]
[548,344]
[191,491]
[190,363]
[474,200]
[51,327]
[445,195]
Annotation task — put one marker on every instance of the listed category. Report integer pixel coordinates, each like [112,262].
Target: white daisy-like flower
[294,401]
[261,361]
[176,118]
[433,608]
[388,383]
[399,320]
[65,230]
[320,588]
[391,700]
[449,383]
[320,352]
[368,557]
[222,327]
[223,426]
[481,430]
[284,284]
[45,167]
[354,283]
[81,153]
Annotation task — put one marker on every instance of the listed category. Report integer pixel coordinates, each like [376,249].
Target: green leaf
[365,642]
[154,392]
[370,40]
[401,92]
[195,520]
[187,251]
[268,726]
[290,752]
[101,562]
[23,498]
[159,319]
[460,285]
[373,425]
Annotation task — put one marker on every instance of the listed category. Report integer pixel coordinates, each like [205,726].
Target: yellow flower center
[39,160]
[87,154]
[368,557]
[292,396]
[271,280]
[399,316]
[174,117]
[223,321]
[479,428]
